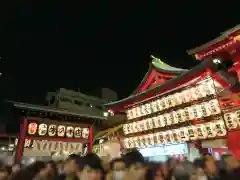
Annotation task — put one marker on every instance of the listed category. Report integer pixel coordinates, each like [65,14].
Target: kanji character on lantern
[52,130]
[32,128]
[85,133]
[61,130]
[27,143]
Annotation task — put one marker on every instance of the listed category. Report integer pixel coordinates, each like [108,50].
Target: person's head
[3,174]
[159,174]
[50,170]
[232,162]
[118,169]
[91,166]
[70,167]
[210,166]
[135,164]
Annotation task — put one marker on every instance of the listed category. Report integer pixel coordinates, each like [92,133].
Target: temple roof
[215,41]
[168,85]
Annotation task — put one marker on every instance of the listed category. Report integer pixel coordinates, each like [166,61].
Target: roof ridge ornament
[155,59]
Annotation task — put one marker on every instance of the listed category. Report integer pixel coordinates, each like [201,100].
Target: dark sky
[45,46]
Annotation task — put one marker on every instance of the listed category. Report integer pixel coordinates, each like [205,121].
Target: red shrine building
[179,112]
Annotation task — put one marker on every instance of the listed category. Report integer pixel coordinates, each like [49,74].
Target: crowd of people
[130,166]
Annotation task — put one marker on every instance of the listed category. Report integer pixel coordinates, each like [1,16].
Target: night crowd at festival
[130,166]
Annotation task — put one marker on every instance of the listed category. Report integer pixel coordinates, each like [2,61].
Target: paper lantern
[143,110]
[177,98]
[151,139]
[69,131]
[205,110]
[187,95]
[138,112]
[158,101]
[148,108]
[42,129]
[61,131]
[192,133]
[211,130]
[131,143]
[196,111]
[163,103]
[220,128]
[138,126]
[134,127]
[230,120]
[134,113]
[186,113]
[183,133]
[27,143]
[165,119]
[129,114]
[142,125]
[155,122]
[214,104]
[179,116]
[154,106]
[170,118]
[201,131]
[149,123]
[147,140]
[85,133]
[135,141]
[52,130]
[162,137]
[142,141]
[170,136]
[32,128]
[156,138]
[237,117]
[198,92]
[129,128]
[175,134]
[125,129]
[169,102]
[77,132]
[162,120]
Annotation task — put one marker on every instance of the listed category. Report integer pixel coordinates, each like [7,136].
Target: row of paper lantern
[201,131]
[57,130]
[189,113]
[204,89]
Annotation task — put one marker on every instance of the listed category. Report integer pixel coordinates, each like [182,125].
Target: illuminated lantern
[156,138]
[205,110]
[230,120]
[147,140]
[142,141]
[170,118]
[177,97]
[129,127]
[135,140]
[134,112]
[42,130]
[192,133]
[148,108]
[165,119]
[178,116]
[52,130]
[183,133]
[32,128]
[138,126]
[125,129]
[158,101]
[151,138]
[196,111]
[143,110]
[156,122]
[150,123]
[61,131]
[169,102]
[131,143]
[134,127]
[85,133]
[237,117]
[201,131]
[69,131]
[175,134]
[186,113]
[27,143]
[211,130]
[162,120]
[77,132]
[163,103]
[161,136]
[142,125]
[211,89]
[220,128]
[126,143]
[214,105]
[154,106]
[129,114]
[187,95]
[198,92]
[170,136]
[138,111]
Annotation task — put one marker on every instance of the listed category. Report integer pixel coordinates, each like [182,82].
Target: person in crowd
[117,170]
[136,168]
[210,168]
[47,173]
[16,168]
[159,175]
[233,166]
[4,174]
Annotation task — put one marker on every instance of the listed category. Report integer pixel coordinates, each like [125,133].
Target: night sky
[94,45]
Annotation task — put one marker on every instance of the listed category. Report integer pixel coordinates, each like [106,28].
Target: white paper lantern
[150,124]
[126,143]
[69,132]
[151,137]
[162,137]
[143,110]
[176,137]
[52,130]
[187,95]
[135,140]
[134,113]
[158,101]
[186,112]
[192,133]
[220,128]
[205,110]
[134,127]
[211,130]
[162,120]
[237,117]
[165,119]
[163,103]
[148,108]
[125,129]
[85,133]
[77,132]
[169,102]
[179,116]
[142,141]
[196,111]
[170,118]
[215,109]
[183,133]
[138,112]
[230,120]
[178,99]
[201,131]
[156,138]
[170,136]
[42,130]
[147,140]
[131,143]
[154,106]
[129,114]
